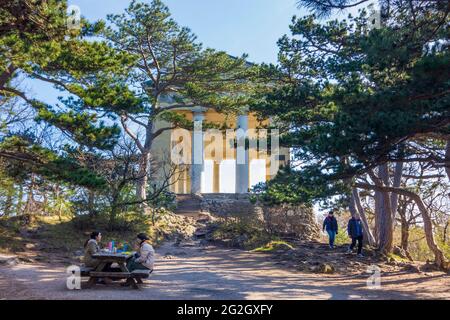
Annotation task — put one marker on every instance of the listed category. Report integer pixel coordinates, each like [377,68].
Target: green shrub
[342,238]
[125,221]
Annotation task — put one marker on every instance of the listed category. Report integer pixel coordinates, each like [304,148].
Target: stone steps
[188,205]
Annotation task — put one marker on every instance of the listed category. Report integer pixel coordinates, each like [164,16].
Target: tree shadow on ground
[194,273]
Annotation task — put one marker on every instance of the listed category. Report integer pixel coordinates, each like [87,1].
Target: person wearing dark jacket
[355,232]
[331,226]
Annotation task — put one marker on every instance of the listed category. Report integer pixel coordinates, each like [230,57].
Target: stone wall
[289,220]
[297,221]
[227,204]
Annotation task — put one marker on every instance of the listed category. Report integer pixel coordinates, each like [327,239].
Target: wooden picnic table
[105,270]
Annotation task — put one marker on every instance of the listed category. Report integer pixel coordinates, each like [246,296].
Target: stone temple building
[210,171]
[220,185]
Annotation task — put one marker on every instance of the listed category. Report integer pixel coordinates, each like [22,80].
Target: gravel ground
[193,272]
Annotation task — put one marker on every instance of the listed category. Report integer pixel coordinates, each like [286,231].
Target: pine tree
[171,70]
[36,43]
[353,99]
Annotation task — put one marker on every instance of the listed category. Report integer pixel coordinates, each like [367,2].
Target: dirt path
[193,272]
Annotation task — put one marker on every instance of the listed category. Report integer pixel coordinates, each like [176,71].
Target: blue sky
[235,26]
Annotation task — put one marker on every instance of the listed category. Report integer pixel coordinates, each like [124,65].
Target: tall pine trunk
[404,227]
[19,200]
[357,204]
[444,237]
[439,257]
[91,203]
[404,242]
[447,159]
[144,167]
[9,201]
[114,211]
[29,205]
[405,235]
[142,182]
[383,213]
[398,170]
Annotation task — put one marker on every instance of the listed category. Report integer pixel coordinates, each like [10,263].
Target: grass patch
[397,258]
[68,235]
[342,238]
[10,239]
[274,245]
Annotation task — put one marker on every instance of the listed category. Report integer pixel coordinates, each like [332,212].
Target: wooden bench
[104,274]
[140,274]
[133,278]
[105,269]
[84,271]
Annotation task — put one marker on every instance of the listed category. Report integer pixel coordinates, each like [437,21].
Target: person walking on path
[331,226]
[355,232]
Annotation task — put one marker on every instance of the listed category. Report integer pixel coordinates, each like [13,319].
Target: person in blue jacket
[330,224]
[355,232]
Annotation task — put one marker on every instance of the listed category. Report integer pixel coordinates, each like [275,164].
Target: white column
[197,153]
[242,159]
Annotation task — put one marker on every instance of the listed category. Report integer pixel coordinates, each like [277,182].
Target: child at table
[145,257]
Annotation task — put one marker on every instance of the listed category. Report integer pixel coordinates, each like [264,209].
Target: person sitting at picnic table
[144,259]
[90,248]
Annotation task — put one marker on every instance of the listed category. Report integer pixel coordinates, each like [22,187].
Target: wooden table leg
[123,267]
[101,266]
[131,282]
[134,284]
[90,282]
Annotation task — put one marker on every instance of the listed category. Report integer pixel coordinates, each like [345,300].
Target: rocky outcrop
[172,226]
[402,253]
[297,221]
[227,204]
